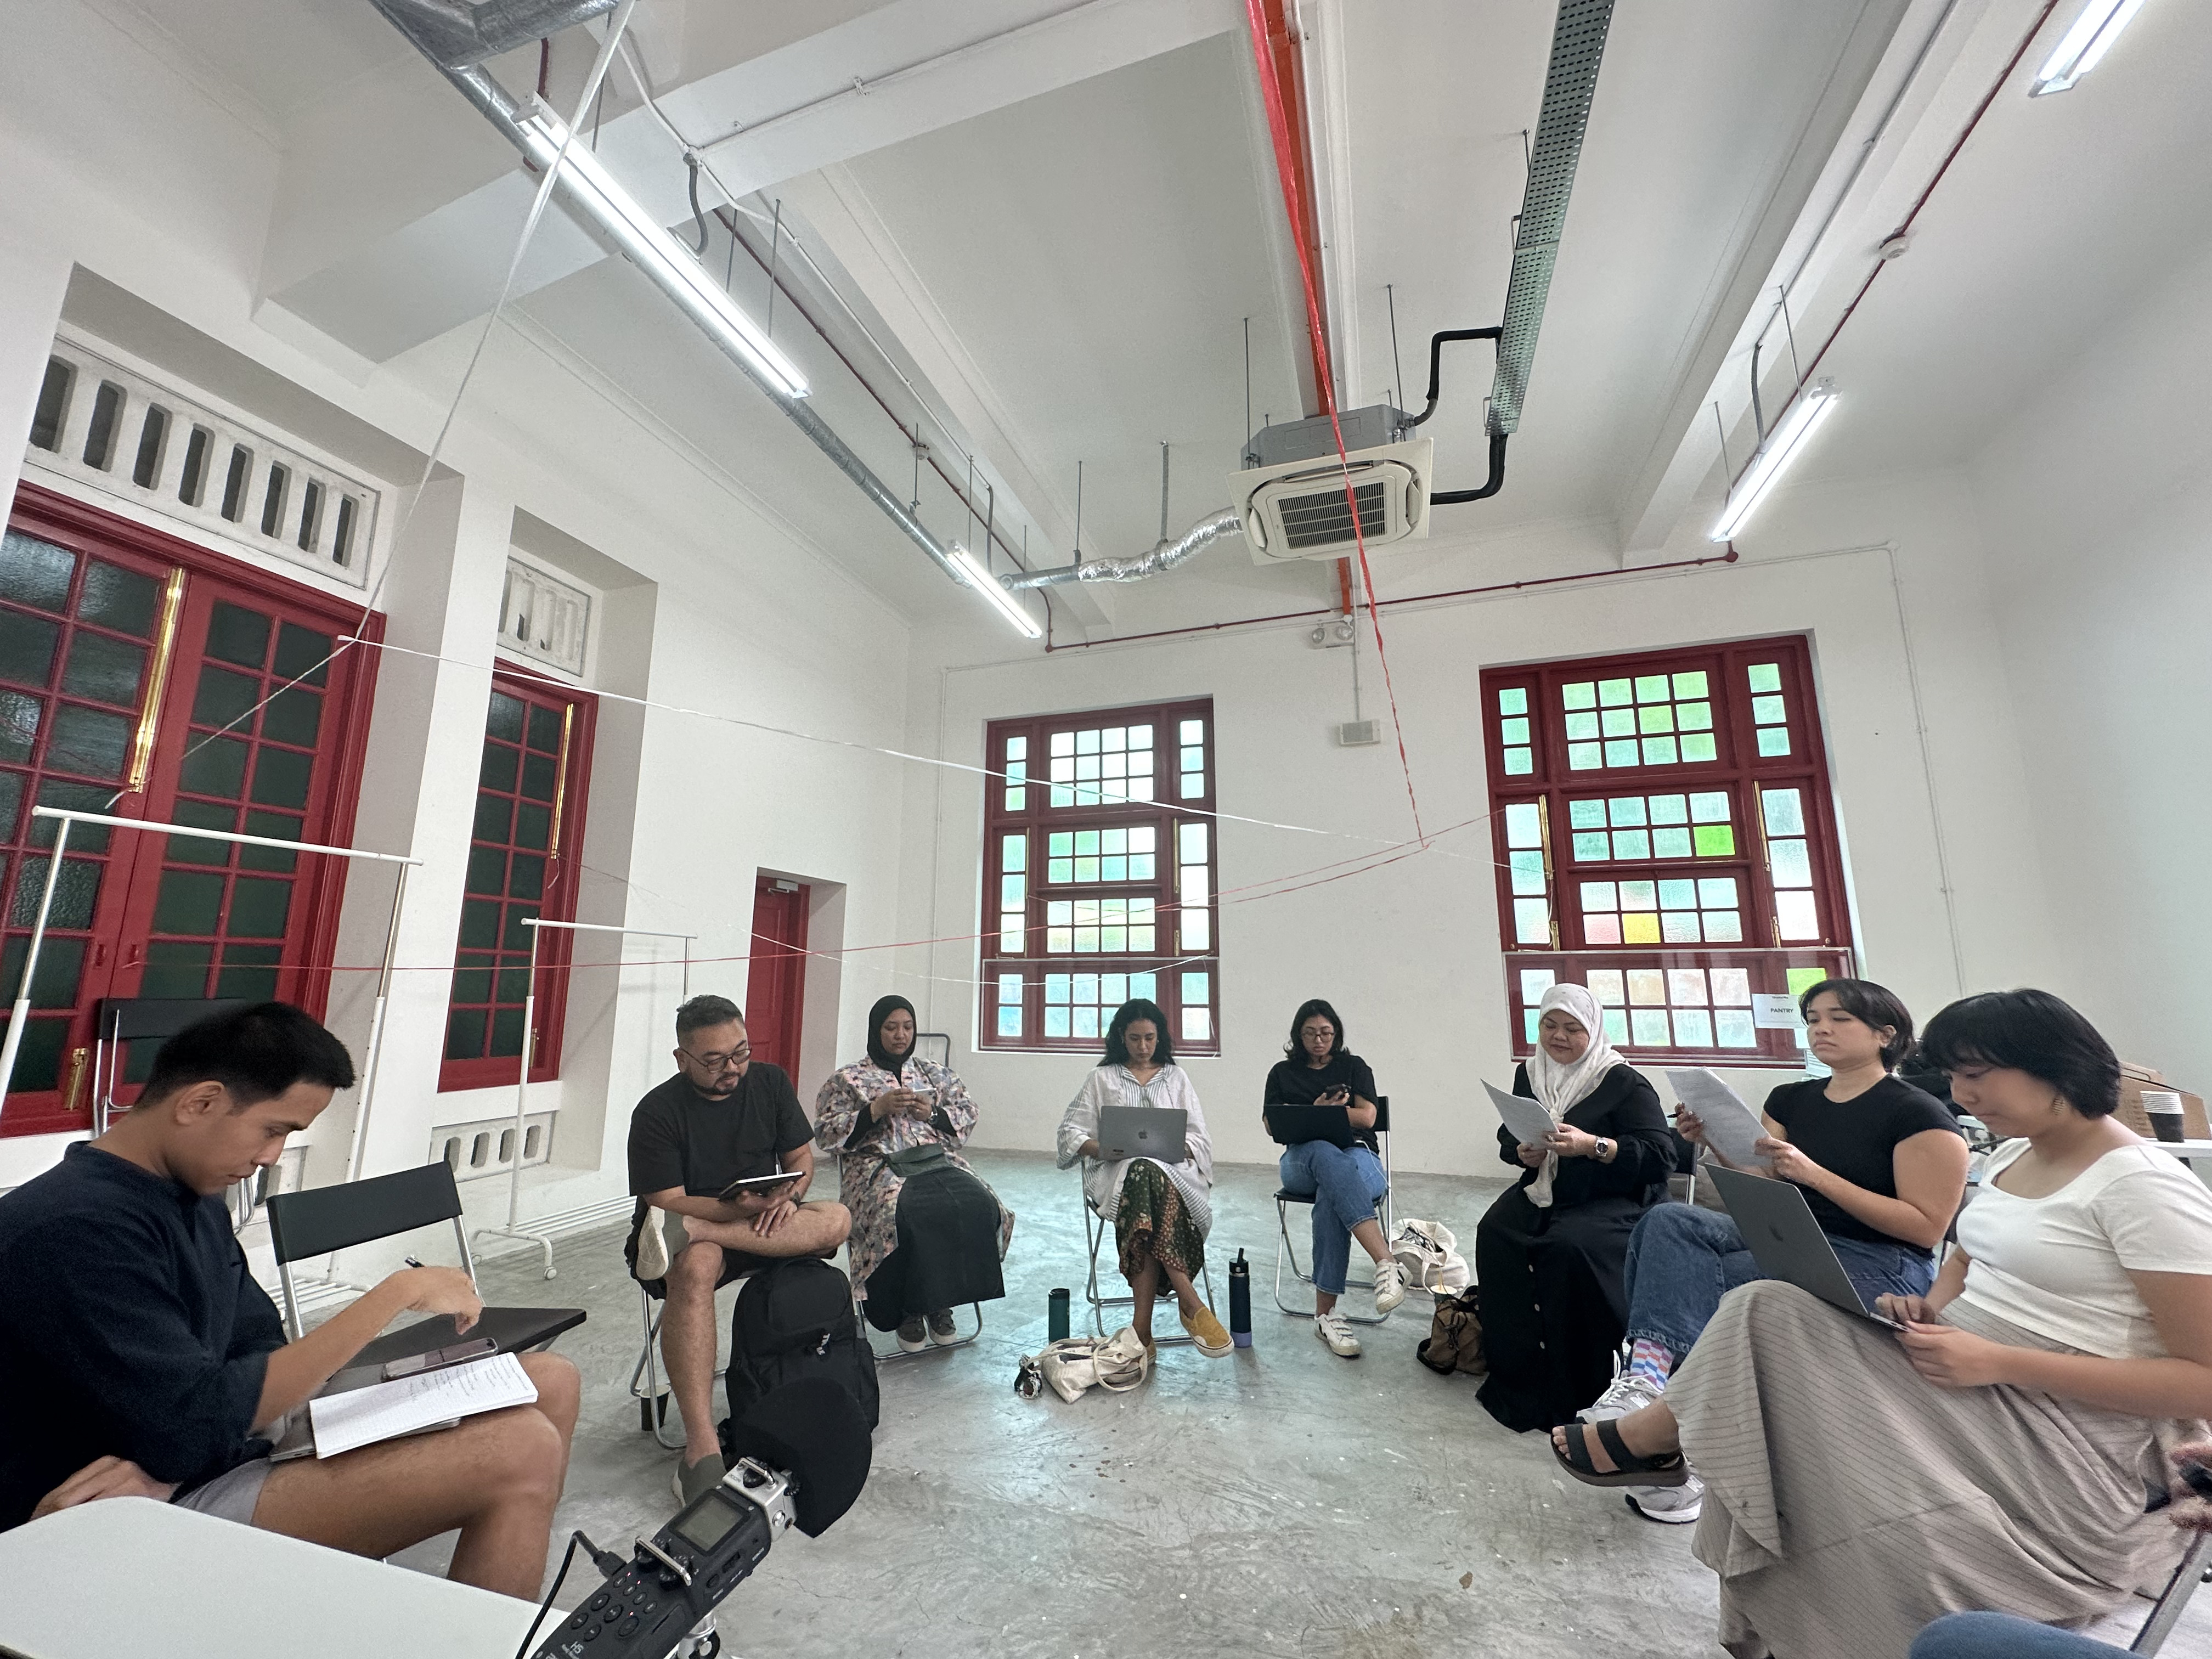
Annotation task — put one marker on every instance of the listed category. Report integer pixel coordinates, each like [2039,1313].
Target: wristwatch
[1604,1150]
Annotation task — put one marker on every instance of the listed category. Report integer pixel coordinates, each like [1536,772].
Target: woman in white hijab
[1550,1253]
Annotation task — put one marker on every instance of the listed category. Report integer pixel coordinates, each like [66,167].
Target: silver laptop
[1153,1131]
[1786,1241]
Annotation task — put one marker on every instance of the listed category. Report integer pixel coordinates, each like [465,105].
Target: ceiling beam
[1684,448]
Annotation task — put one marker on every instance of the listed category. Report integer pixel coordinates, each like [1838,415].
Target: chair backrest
[1381,1114]
[326,1219]
[129,1019]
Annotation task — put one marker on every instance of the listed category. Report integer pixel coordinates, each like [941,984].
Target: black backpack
[795,1320]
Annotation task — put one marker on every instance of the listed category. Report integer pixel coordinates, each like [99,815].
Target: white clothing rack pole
[64,819]
[537,925]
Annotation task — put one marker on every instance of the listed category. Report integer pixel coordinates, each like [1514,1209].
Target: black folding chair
[327,1219]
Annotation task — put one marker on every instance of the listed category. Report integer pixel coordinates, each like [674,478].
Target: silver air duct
[1166,555]
[413,18]
[453,33]
[1578,49]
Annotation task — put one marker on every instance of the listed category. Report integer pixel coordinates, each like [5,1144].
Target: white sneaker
[1335,1330]
[1631,1391]
[652,1248]
[1675,1505]
[1389,1285]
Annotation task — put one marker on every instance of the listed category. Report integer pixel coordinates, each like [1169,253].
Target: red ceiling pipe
[1272,35]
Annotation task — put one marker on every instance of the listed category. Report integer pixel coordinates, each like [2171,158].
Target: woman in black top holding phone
[1345,1182]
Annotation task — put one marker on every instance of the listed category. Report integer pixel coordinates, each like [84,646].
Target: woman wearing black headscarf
[927,1234]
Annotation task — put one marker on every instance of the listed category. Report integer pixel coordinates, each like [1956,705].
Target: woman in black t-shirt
[1882,1166]
[1345,1182]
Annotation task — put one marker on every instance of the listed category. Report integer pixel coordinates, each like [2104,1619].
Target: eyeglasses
[737,1056]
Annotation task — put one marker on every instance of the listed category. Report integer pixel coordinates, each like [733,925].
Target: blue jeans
[2002,1636]
[1344,1185]
[1683,1260]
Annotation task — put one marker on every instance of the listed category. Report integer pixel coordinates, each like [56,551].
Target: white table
[127,1575]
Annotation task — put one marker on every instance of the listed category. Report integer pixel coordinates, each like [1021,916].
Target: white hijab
[1559,1087]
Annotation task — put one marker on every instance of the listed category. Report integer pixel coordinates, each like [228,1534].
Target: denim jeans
[1345,1184]
[1682,1259]
[2002,1636]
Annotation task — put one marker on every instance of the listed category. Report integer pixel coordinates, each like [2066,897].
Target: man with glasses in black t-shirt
[724,1117]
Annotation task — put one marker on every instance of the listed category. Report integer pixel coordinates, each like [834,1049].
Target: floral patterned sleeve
[837,1111]
[956,1108]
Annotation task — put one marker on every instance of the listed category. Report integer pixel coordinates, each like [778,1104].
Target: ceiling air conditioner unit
[1293,492]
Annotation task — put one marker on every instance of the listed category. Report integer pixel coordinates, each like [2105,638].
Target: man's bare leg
[496,1477]
[688,1344]
[815,1228]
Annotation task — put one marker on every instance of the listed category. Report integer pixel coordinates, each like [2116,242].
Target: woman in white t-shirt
[2007,1447]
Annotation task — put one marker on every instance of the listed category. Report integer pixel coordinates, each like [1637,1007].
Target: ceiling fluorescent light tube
[2087,41]
[1774,457]
[988,585]
[593,190]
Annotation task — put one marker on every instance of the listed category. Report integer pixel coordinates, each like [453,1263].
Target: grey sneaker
[652,1247]
[692,1478]
[942,1331]
[1631,1391]
[913,1335]
[1675,1505]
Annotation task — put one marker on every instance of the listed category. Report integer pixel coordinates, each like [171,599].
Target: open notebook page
[361,1417]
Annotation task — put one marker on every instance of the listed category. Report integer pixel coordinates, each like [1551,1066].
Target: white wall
[2098,503]
[1410,953]
[113,162]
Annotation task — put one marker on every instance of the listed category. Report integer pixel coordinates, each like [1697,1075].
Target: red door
[144,678]
[775,989]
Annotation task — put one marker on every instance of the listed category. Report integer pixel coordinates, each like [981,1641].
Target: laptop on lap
[1783,1237]
[1293,1124]
[1153,1131]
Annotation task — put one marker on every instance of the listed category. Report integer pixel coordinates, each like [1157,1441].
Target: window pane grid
[1696,1005]
[1600,848]
[1112,887]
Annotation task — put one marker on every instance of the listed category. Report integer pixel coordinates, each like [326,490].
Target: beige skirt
[1849,1501]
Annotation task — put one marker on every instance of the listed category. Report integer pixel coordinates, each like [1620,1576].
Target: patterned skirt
[1153,1222]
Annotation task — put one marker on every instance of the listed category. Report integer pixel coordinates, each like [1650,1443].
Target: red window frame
[126,945]
[1037,998]
[1686,886]
[488,982]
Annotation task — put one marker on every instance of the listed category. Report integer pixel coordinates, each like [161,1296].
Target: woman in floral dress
[927,1234]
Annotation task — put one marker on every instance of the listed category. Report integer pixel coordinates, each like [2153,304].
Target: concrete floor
[1279,1502]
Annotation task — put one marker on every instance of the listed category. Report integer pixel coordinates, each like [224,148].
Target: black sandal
[1628,1469]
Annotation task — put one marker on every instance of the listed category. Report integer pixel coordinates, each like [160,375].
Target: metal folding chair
[652,1399]
[323,1219]
[2195,1566]
[1284,1198]
[1097,1230]
[898,1354]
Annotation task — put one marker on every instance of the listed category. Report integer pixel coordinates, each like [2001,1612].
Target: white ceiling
[1055,215]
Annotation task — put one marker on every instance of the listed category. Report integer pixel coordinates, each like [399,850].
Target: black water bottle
[1240,1302]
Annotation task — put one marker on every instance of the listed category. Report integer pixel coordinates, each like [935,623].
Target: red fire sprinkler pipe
[1273,34]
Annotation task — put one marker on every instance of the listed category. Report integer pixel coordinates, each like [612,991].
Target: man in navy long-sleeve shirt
[139,1358]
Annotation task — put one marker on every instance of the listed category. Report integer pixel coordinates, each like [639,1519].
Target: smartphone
[2199,1478]
[459,1353]
[759,1186]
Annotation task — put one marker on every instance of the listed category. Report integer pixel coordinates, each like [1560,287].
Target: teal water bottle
[1056,1318]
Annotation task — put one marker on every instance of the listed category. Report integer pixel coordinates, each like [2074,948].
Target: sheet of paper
[361,1417]
[1775,1013]
[1731,1127]
[1529,1122]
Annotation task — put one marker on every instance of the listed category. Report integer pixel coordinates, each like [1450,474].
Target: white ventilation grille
[473,1151]
[544,618]
[100,423]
